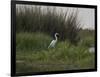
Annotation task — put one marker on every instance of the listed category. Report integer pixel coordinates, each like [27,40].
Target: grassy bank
[32,54]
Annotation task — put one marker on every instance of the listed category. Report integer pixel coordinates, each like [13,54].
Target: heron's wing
[51,44]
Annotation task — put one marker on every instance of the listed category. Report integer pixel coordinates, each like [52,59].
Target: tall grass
[50,21]
[29,41]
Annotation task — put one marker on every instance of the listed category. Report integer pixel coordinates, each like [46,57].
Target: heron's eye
[57,35]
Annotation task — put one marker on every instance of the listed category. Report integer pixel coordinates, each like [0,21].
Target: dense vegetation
[48,21]
[34,31]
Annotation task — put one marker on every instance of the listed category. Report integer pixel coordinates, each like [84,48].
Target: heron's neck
[55,37]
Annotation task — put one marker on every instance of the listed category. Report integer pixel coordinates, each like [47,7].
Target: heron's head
[57,34]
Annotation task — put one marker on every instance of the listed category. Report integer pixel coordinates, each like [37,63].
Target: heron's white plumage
[53,42]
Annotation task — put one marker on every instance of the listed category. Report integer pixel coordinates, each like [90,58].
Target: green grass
[33,55]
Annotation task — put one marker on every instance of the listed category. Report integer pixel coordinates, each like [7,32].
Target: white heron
[53,42]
